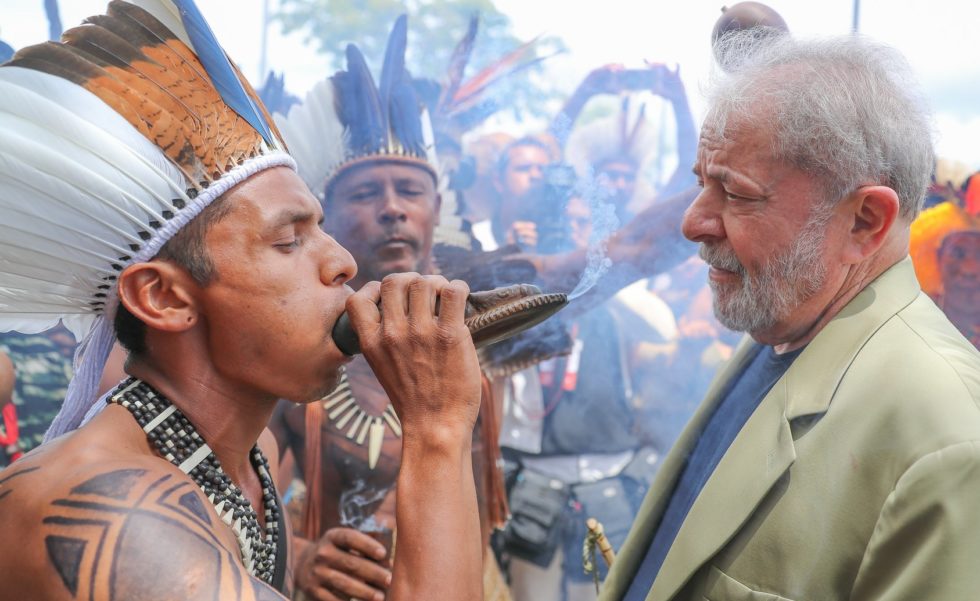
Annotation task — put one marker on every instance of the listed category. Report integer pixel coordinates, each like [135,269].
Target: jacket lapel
[763,450]
[759,455]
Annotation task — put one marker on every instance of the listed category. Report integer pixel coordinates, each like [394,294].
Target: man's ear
[871,212]
[160,294]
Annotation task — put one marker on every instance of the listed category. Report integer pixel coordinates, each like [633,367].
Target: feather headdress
[928,231]
[626,134]
[114,139]
[347,119]
[462,104]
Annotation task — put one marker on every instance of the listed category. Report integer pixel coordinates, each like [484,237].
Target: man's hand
[426,362]
[603,80]
[342,565]
[667,84]
[428,366]
[523,234]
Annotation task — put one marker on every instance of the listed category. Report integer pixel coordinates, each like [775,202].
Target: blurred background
[304,38]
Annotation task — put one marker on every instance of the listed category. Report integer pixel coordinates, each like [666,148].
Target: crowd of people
[766,383]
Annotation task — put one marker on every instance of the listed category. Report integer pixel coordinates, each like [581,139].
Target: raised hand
[667,84]
[426,362]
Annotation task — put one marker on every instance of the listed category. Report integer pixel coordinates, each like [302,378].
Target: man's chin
[328,385]
[397,266]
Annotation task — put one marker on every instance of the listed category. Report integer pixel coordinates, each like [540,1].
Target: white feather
[77,185]
[167,13]
[315,136]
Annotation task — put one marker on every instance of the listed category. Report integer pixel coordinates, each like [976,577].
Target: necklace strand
[346,414]
[177,441]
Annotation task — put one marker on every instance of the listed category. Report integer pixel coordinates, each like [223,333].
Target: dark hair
[186,249]
[504,160]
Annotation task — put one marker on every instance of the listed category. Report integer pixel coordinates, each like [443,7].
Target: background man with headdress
[620,149]
[945,248]
[364,149]
[146,195]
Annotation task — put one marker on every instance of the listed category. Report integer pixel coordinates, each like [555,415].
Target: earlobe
[159,294]
[874,210]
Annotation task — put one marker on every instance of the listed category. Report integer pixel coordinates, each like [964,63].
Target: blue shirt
[741,400]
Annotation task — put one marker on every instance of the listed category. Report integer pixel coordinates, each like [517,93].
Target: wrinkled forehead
[747,137]
[266,195]
[379,171]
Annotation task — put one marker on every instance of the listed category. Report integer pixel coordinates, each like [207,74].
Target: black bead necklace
[177,441]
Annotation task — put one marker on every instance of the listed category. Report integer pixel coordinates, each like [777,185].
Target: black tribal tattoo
[5,488]
[125,534]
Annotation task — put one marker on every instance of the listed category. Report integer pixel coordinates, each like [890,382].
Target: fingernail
[388,579]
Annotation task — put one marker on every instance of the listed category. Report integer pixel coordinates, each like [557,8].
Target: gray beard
[782,285]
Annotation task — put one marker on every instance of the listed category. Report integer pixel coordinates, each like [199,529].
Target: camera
[547,209]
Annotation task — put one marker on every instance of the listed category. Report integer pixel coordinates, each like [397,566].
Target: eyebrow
[290,217]
[718,174]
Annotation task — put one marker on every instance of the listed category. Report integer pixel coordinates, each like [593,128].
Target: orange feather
[133,63]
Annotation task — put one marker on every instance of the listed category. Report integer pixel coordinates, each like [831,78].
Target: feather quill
[459,60]
[315,135]
[361,109]
[145,72]
[392,71]
[224,75]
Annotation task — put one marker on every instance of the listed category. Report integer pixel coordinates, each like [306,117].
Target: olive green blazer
[857,477]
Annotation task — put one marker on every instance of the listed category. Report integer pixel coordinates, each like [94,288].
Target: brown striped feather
[133,63]
[128,65]
[54,59]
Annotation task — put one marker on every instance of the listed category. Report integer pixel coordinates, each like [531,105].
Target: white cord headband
[93,352]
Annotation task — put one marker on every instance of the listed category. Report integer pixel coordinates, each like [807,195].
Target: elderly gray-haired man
[838,454]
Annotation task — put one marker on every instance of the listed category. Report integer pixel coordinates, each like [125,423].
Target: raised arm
[602,80]
[649,244]
[670,87]
[428,367]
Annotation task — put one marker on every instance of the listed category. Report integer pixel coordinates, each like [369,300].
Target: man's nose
[702,220]
[337,266]
[392,207]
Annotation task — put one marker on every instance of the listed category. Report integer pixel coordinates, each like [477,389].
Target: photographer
[520,185]
[624,146]
[569,435]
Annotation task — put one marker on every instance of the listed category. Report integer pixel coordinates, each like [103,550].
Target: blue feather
[361,109]
[219,68]
[392,69]
[406,124]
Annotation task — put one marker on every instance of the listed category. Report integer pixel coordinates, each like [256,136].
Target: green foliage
[435,27]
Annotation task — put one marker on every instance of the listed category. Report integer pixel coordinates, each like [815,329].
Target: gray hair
[844,109]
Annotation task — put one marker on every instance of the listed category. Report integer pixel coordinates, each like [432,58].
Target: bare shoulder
[86,526]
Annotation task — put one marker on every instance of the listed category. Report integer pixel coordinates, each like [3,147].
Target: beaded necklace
[176,440]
